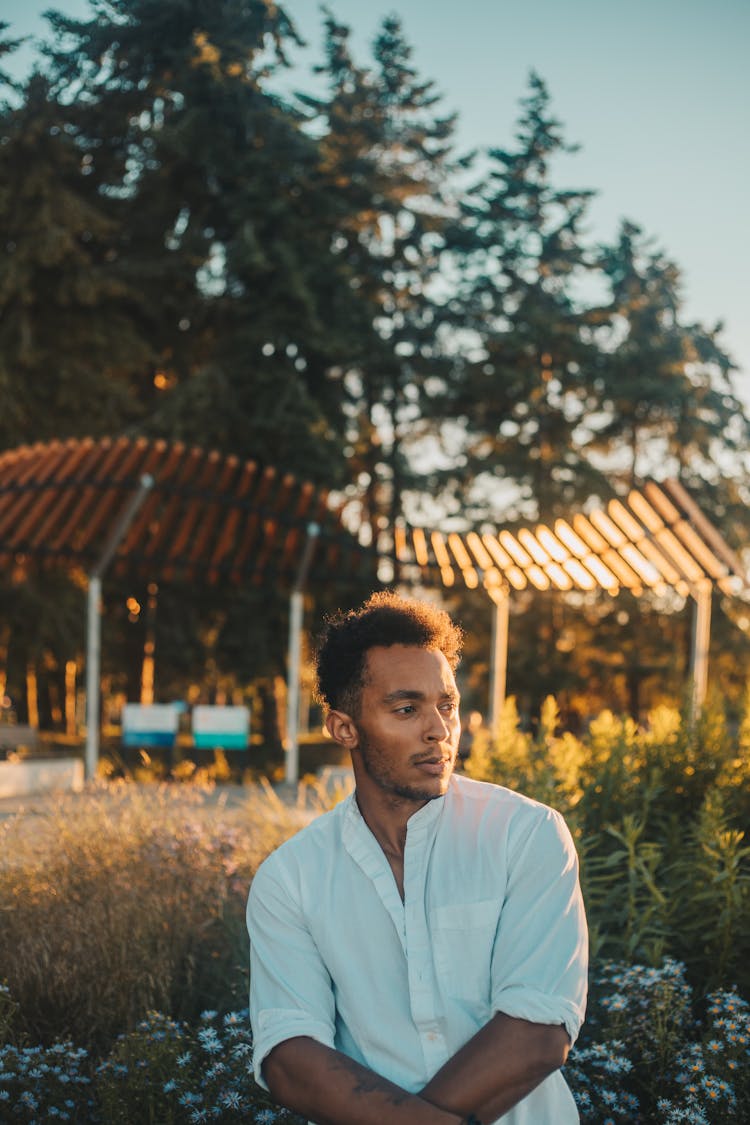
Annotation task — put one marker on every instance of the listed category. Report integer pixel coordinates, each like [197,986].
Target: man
[418,954]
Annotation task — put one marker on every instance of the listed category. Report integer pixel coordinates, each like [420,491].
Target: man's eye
[405,710]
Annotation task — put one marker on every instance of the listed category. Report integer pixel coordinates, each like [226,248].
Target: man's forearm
[327,1087]
[498,1067]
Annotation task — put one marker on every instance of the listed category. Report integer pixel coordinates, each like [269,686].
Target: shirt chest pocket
[463,935]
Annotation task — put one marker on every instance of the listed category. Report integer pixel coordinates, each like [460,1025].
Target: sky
[656,93]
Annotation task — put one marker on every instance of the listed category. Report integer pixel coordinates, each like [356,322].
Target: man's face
[408,726]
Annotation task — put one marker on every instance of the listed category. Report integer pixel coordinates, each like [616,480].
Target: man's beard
[382,774]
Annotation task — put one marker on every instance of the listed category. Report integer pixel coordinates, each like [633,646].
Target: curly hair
[385,619]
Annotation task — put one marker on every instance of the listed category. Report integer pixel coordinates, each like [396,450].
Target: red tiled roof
[207,514]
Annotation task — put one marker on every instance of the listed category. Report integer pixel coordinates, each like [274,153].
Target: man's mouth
[436,765]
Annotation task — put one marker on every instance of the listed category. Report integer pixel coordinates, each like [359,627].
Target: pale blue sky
[657,93]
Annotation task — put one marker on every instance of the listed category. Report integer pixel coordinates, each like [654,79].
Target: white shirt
[492,921]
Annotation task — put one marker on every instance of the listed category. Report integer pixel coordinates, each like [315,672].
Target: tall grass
[129,899]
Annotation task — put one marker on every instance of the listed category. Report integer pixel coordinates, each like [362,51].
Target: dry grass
[126,899]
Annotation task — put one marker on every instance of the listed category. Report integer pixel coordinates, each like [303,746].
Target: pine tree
[174,177]
[387,160]
[218,178]
[667,383]
[528,376]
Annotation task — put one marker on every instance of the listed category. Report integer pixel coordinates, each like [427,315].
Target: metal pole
[93,660]
[700,644]
[296,608]
[94,623]
[499,656]
[296,611]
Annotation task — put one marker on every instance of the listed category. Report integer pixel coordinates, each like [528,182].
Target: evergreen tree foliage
[668,409]
[387,157]
[529,377]
[218,181]
[72,353]
[667,389]
[7,47]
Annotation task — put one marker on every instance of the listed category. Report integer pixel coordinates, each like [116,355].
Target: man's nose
[437,728]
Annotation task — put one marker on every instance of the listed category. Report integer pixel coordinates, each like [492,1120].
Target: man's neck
[386,815]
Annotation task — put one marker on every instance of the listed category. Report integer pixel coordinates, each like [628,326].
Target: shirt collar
[418,823]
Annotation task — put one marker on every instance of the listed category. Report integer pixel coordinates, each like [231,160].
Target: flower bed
[650,1053]
[162,1071]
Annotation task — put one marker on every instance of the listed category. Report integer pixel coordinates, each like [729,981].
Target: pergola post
[94,624]
[499,655]
[296,611]
[93,676]
[701,637]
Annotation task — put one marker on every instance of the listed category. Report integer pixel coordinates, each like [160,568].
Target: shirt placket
[423,990]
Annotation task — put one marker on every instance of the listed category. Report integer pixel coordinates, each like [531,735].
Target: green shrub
[659,814]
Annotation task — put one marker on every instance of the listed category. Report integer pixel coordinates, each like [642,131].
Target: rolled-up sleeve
[540,956]
[290,988]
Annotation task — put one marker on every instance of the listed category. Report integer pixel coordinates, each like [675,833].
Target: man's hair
[385,619]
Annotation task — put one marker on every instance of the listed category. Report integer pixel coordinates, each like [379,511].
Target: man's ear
[342,729]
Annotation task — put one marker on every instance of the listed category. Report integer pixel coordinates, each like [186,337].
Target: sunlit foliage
[659,814]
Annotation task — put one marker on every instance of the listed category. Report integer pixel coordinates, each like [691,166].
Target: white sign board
[224,728]
[149,724]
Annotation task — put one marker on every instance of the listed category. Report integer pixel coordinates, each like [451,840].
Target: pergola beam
[499,657]
[701,637]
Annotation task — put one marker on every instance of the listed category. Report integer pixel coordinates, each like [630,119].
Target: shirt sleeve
[540,956]
[290,989]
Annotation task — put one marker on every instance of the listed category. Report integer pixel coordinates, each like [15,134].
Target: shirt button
[431,1036]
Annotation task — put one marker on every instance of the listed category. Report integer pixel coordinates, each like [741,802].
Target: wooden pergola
[169,511]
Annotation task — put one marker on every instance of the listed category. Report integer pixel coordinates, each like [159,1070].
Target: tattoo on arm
[368,1086]
[367,1082]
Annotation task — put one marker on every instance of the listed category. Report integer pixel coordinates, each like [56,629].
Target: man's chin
[422,793]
